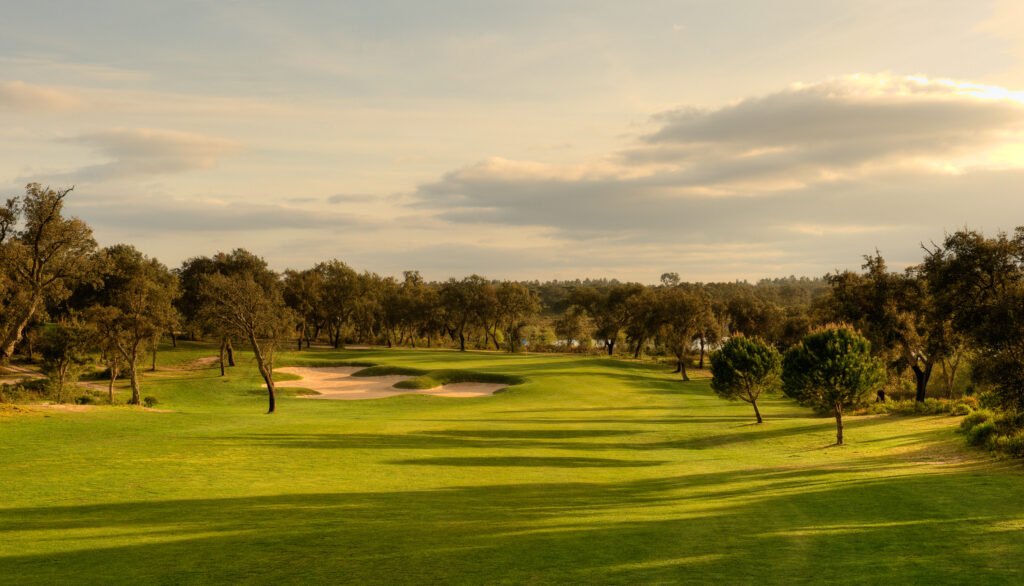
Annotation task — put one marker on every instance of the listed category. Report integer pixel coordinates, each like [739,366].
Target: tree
[133,305]
[743,368]
[898,315]
[831,369]
[191,276]
[339,293]
[572,326]
[609,308]
[302,293]
[42,255]
[516,305]
[252,307]
[682,311]
[467,303]
[65,349]
[979,283]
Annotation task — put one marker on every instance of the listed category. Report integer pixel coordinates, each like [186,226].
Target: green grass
[590,470]
[436,378]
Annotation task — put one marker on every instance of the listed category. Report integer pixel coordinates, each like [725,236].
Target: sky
[719,139]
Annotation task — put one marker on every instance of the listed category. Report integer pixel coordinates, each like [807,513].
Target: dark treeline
[63,297]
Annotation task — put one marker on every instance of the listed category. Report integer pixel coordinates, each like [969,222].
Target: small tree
[253,308]
[832,368]
[64,349]
[743,369]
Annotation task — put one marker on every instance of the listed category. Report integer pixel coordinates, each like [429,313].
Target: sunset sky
[719,139]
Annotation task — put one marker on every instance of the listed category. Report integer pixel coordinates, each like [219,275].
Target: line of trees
[957,310]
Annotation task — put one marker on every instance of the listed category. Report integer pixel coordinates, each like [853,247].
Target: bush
[926,407]
[1015,445]
[982,434]
[149,401]
[84,400]
[960,408]
[975,418]
[26,391]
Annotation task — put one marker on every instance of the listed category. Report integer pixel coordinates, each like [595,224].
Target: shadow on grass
[551,462]
[533,439]
[773,525]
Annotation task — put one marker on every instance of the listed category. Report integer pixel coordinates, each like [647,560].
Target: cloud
[850,162]
[348,198]
[26,97]
[185,216]
[150,151]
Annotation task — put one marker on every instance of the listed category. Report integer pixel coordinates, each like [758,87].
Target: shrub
[981,434]
[1015,445]
[1009,423]
[84,400]
[150,400]
[959,408]
[975,418]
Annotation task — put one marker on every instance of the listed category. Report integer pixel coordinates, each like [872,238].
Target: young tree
[831,369]
[42,255]
[132,306]
[744,368]
[252,307]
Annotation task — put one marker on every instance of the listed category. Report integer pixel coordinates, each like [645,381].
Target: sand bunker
[337,382]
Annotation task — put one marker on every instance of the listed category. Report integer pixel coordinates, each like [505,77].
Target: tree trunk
[682,369]
[265,372]
[302,332]
[7,348]
[133,373]
[462,342]
[231,353]
[610,344]
[839,423]
[174,340]
[639,347]
[921,377]
[153,366]
[223,349]
[679,367]
[113,377]
[701,363]
[757,412]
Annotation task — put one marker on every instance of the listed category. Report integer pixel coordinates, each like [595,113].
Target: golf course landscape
[589,470]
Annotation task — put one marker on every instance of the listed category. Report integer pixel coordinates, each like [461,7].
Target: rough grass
[590,471]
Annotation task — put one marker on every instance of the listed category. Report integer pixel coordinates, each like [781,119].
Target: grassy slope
[592,471]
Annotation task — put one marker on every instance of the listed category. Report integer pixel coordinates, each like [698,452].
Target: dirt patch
[71,408]
[204,362]
[337,383]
